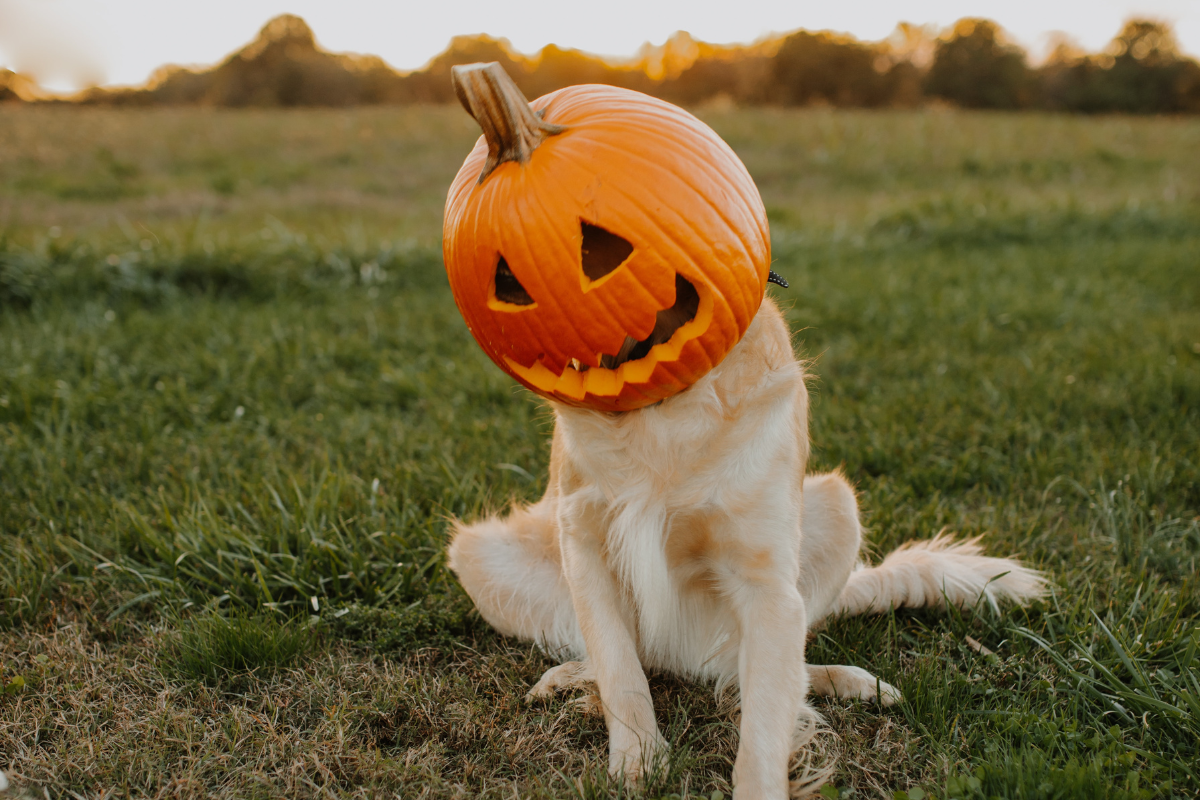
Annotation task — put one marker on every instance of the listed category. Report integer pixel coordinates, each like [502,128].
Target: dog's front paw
[570,675]
[637,756]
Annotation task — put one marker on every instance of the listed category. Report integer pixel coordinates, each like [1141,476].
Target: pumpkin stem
[512,129]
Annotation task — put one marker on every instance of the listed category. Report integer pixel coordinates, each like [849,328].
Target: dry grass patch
[113,719]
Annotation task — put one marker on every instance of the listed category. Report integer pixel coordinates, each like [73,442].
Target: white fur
[935,571]
[686,537]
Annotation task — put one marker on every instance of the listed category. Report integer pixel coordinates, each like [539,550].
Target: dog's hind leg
[935,572]
[917,574]
[564,677]
[829,542]
[851,683]
[829,549]
[511,567]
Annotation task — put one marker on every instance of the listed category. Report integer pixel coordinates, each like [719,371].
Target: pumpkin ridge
[566,246]
[584,97]
[652,128]
[673,369]
[657,166]
[749,302]
[679,246]
[617,309]
[647,114]
[497,195]
[675,297]
[689,331]
[611,306]
[544,221]
[720,178]
[636,352]
[489,200]
[467,226]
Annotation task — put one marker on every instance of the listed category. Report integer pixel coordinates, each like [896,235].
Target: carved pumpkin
[606,248]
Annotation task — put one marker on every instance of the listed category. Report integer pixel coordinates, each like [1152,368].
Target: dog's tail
[935,572]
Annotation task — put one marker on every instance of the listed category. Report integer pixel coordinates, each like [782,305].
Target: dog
[686,537]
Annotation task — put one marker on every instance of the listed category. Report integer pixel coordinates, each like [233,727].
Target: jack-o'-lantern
[607,249]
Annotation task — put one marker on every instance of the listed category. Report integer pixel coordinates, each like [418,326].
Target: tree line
[972,65]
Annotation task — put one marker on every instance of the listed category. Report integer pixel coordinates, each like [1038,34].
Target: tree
[1145,68]
[818,67]
[1140,72]
[975,68]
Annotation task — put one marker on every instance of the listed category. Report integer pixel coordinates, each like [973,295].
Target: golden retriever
[686,537]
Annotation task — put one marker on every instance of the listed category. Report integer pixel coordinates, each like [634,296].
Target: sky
[69,44]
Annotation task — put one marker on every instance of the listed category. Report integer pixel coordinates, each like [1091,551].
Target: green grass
[220,650]
[237,405]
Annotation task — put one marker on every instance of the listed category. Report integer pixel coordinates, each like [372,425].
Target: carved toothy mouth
[602,254]
[689,316]
[666,322]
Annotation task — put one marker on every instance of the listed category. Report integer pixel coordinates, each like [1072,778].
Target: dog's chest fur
[682,485]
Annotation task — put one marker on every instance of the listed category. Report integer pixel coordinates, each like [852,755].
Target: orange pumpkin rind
[633,168]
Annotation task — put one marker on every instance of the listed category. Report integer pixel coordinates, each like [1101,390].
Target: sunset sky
[67,44]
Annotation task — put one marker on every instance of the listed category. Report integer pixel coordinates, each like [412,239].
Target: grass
[215,648]
[237,404]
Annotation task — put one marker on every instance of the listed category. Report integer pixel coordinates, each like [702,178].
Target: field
[237,406]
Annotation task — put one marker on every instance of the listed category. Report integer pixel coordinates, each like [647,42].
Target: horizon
[67,45]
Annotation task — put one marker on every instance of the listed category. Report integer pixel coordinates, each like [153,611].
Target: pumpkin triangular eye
[508,288]
[602,251]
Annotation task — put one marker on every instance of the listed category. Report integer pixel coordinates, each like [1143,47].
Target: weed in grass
[11,684]
[219,649]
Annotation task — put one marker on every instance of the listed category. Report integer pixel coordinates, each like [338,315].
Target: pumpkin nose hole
[602,251]
[508,288]
[666,322]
